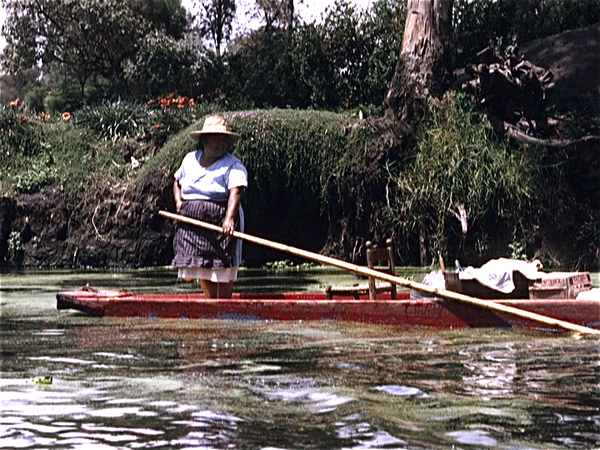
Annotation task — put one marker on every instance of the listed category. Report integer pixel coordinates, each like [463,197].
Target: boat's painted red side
[316,307]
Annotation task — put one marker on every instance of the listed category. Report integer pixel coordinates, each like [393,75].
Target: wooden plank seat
[374,256]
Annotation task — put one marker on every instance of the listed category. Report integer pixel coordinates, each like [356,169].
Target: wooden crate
[561,285]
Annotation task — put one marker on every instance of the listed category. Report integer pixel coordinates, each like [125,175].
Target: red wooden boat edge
[314,306]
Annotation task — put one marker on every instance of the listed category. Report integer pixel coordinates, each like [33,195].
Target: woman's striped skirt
[205,254]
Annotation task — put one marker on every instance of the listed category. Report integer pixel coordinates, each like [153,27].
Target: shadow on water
[135,383]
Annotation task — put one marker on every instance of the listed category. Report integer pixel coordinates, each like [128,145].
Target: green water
[135,383]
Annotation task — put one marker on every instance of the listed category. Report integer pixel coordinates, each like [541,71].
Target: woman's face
[215,145]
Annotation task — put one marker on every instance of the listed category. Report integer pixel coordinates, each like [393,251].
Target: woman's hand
[233,206]
[228,226]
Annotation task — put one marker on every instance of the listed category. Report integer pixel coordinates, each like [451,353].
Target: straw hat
[215,125]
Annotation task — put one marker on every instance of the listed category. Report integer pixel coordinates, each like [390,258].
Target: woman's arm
[233,206]
[177,195]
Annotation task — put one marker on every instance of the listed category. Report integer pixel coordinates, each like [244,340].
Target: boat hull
[405,312]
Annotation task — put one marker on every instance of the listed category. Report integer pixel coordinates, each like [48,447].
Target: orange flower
[15,103]
[23,119]
[43,116]
[192,102]
[66,116]
[156,126]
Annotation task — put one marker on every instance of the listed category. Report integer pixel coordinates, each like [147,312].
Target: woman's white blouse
[213,182]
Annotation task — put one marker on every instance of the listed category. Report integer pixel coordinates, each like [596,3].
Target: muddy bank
[41,230]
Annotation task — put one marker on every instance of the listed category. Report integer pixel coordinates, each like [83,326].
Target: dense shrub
[299,164]
[163,63]
[344,62]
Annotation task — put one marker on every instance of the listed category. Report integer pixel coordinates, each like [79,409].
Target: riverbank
[85,191]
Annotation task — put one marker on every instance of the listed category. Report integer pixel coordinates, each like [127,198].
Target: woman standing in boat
[208,187]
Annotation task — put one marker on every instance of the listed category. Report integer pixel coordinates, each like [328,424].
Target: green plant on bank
[154,121]
[589,236]
[460,186]
[42,173]
[16,249]
[517,250]
[18,137]
[300,164]
[112,120]
[308,185]
[85,153]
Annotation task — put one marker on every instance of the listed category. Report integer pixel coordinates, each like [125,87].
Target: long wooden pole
[365,271]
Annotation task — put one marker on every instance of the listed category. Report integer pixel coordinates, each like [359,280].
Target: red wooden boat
[305,306]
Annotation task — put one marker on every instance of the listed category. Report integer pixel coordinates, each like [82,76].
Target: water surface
[139,383]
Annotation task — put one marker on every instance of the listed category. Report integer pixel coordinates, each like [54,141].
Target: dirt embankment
[125,233]
[573,58]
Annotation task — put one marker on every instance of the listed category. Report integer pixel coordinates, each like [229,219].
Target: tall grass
[462,193]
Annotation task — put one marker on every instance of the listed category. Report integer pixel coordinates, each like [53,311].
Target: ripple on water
[401,391]
[473,437]
[302,391]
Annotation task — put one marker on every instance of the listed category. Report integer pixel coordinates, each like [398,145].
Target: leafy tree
[275,13]
[217,21]
[163,63]
[88,41]
[83,37]
[346,61]
[13,86]
[168,16]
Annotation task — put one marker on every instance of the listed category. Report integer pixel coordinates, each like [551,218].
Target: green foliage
[93,50]
[217,20]
[18,136]
[346,61]
[85,42]
[162,63]
[113,120]
[299,162]
[42,172]
[317,181]
[83,37]
[589,239]
[167,16]
[35,99]
[457,171]
[16,249]
[66,96]
[77,158]
[517,251]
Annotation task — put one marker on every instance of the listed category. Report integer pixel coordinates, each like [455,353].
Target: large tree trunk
[423,72]
[424,69]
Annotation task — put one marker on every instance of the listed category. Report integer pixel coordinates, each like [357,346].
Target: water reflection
[491,371]
[134,383]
